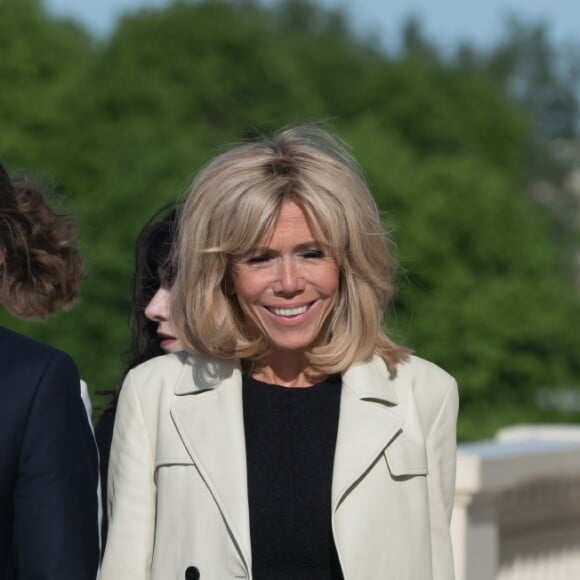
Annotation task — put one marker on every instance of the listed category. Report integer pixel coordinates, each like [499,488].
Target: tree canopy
[120,126]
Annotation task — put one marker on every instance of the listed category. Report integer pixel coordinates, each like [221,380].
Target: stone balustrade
[517,506]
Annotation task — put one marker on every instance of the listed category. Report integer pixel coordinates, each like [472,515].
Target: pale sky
[445,21]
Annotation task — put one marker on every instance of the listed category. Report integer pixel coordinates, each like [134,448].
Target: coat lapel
[209,418]
[368,424]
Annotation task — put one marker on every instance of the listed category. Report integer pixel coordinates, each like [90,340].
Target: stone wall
[517,506]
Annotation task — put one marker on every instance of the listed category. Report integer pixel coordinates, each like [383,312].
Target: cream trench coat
[177,475]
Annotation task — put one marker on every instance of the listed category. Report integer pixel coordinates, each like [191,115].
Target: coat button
[191,573]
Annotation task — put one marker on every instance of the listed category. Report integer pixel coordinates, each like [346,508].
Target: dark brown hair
[40,267]
[153,269]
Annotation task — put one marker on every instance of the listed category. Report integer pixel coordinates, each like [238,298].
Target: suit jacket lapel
[209,419]
[366,425]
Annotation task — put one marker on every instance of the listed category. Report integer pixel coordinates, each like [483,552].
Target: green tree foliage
[122,125]
[543,78]
[41,65]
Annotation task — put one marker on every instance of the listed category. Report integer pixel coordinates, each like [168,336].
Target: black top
[290,441]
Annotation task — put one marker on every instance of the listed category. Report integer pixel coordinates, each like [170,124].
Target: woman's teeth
[289,311]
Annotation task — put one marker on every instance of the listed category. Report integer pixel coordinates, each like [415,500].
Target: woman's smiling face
[287,286]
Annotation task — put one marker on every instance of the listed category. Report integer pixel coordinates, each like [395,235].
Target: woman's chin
[170,345]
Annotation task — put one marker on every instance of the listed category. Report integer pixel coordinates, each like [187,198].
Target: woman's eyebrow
[309,245]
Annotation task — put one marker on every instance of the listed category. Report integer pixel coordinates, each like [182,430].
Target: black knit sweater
[290,442]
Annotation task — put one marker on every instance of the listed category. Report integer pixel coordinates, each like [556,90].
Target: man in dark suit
[48,456]
[48,466]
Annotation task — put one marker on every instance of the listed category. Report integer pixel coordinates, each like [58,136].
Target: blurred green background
[471,154]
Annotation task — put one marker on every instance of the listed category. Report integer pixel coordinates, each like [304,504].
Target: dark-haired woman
[48,457]
[152,332]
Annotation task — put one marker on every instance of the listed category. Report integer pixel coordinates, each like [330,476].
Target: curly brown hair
[40,266]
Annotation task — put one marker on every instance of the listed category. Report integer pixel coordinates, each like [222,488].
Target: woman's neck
[301,380]
[287,371]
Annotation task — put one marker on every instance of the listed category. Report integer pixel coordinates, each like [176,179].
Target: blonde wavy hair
[234,202]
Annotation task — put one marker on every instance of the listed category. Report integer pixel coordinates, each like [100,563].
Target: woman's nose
[290,276]
[158,307]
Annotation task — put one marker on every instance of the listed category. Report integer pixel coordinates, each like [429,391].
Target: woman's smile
[289,311]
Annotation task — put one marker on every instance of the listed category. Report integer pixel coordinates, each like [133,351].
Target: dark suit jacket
[48,467]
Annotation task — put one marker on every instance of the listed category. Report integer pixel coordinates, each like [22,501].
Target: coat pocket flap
[170,449]
[406,456]
[175,459]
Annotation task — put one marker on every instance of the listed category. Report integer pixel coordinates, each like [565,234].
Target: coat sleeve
[55,493]
[131,493]
[441,453]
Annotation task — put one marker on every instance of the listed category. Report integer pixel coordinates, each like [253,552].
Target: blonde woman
[295,440]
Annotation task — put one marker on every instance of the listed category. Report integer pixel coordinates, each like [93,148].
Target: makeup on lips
[159,310]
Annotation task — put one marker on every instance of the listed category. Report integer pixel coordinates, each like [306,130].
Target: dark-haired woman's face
[158,310]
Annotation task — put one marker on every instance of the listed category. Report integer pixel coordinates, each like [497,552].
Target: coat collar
[371,379]
[202,373]
[368,379]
